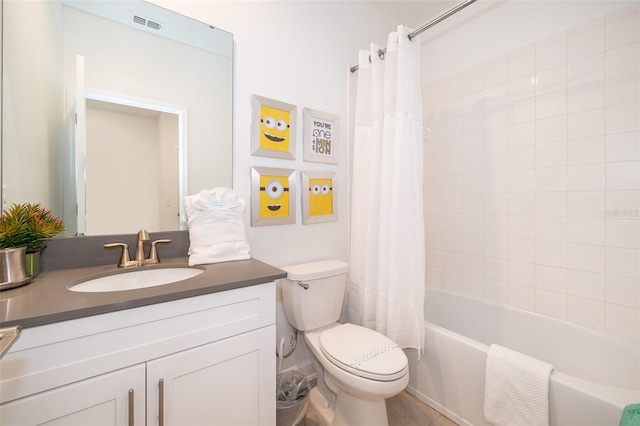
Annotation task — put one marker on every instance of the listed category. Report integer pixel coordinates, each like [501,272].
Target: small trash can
[292,399]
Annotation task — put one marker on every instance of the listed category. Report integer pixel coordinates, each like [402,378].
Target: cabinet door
[229,382]
[100,401]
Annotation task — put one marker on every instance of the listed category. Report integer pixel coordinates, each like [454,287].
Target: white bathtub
[595,375]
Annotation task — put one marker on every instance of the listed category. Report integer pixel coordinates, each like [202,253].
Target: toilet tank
[313,293]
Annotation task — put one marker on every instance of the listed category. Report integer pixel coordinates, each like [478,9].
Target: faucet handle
[125,259]
[153,254]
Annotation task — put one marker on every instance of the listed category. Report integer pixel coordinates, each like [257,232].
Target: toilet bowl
[357,368]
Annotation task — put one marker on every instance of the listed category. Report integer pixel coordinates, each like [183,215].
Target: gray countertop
[47,298]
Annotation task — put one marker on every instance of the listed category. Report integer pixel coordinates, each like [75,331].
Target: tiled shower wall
[533,177]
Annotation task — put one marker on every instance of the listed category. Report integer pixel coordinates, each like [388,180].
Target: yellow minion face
[320,197]
[274,196]
[274,128]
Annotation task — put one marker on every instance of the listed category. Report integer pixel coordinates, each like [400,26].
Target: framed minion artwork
[273,128]
[321,132]
[273,194]
[318,197]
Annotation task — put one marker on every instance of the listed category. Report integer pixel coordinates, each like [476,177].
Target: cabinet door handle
[130,407]
[161,402]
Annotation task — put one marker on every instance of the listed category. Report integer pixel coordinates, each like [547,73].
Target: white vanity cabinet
[205,360]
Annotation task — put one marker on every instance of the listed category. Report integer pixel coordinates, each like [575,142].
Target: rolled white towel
[516,388]
[216,227]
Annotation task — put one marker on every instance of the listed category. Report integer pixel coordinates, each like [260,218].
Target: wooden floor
[402,410]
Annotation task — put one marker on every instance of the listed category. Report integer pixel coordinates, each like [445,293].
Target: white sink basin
[136,279]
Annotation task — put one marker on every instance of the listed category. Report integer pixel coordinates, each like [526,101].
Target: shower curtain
[387,253]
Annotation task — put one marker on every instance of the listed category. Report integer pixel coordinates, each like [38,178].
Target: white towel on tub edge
[516,388]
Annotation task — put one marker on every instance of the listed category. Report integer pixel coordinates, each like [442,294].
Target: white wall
[298,53]
[533,171]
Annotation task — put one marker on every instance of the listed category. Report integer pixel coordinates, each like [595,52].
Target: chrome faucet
[140,259]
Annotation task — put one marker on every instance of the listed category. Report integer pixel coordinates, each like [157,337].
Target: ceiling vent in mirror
[146,22]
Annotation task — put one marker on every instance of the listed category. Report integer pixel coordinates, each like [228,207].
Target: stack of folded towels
[216,226]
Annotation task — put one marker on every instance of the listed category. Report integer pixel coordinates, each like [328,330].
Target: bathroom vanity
[198,351]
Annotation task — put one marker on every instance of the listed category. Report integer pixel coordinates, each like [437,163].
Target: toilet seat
[363,352]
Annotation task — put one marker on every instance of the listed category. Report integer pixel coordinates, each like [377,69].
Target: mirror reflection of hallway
[132,162]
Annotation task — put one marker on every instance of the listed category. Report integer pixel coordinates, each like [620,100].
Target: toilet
[357,368]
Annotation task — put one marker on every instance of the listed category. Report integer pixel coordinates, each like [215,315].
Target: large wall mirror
[113,111]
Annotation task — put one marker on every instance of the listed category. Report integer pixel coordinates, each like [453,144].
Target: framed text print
[272,196]
[318,197]
[273,128]
[321,132]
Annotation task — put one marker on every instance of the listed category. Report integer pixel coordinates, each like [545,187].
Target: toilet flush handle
[303,285]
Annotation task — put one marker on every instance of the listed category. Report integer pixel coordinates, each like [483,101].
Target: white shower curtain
[387,254]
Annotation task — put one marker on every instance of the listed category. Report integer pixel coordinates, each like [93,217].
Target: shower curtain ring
[381,54]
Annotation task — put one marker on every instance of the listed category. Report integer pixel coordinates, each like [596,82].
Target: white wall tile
[552,154]
[586,124]
[622,118]
[622,89]
[622,176]
[586,43]
[586,97]
[551,179]
[522,111]
[551,104]
[551,52]
[623,204]
[623,147]
[552,203]
[551,80]
[496,138]
[522,134]
[587,258]
[586,70]
[552,253]
[552,228]
[496,225]
[623,60]
[623,262]
[623,291]
[496,291]
[623,233]
[586,177]
[522,250]
[587,312]
[623,321]
[522,180]
[522,157]
[496,72]
[587,231]
[522,203]
[552,304]
[588,285]
[522,296]
[522,64]
[586,204]
[496,181]
[552,129]
[622,31]
[552,278]
[496,247]
[522,227]
[586,150]
[496,96]
[533,177]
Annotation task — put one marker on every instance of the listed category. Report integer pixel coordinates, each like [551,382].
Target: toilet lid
[363,352]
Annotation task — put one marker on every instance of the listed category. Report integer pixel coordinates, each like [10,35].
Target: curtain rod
[426,26]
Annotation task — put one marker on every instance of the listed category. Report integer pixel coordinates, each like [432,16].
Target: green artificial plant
[28,225]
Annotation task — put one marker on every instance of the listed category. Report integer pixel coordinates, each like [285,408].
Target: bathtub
[595,375]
